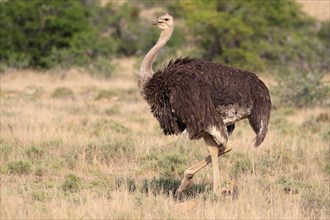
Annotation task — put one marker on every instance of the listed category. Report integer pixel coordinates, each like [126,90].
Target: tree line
[268,36]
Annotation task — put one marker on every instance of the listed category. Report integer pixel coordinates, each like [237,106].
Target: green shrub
[65,33]
[304,89]
[19,167]
[49,33]
[253,35]
[273,36]
[32,28]
[71,183]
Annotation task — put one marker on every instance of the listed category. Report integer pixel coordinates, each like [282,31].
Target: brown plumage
[204,99]
[194,94]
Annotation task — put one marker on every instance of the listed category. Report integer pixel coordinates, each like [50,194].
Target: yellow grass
[104,134]
[319,9]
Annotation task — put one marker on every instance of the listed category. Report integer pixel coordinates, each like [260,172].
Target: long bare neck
[146,71]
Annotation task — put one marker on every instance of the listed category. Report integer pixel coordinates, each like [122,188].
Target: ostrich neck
[146,66]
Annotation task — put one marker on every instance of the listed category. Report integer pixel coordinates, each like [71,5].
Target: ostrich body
[203,99]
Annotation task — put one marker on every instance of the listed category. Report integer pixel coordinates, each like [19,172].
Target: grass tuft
[71,184]
[34,153]
[40,196]
[63,93]
[168,164]
[241,164]
[19,167]
[5,152]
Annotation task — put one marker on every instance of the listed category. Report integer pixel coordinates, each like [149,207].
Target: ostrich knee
[219,137]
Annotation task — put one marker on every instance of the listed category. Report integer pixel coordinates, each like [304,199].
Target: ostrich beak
[154,22]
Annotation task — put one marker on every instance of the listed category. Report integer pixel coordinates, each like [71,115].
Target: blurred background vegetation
[273,38]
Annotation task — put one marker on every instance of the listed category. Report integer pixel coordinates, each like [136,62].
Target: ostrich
[204,100]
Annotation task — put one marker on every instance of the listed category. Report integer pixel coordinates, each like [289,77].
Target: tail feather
[259,119]
[260,113]
[260,136]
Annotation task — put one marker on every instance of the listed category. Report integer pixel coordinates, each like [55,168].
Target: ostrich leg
[214,151]
[191,171]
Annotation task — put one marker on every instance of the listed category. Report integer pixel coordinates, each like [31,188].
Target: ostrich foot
[186,182]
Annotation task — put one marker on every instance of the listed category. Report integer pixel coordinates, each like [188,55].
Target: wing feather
[191,101]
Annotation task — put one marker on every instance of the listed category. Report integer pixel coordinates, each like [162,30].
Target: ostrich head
[165,21]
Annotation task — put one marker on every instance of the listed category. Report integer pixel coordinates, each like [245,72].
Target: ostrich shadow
[163,186]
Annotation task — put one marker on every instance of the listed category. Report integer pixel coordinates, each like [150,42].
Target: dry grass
[81,147]
[319,9]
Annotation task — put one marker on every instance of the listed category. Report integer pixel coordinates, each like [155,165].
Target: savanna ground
[74,146]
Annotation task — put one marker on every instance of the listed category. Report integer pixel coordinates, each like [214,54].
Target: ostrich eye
[166,19]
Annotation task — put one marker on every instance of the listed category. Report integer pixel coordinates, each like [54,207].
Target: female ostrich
[203,99]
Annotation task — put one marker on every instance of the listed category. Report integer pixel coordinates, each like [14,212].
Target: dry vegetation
[319,9]
[80,147]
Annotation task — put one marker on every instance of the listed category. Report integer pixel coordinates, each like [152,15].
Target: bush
[270,36]
[303,90]
[33,29]
[50,33]
[254,35]
[64,33]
